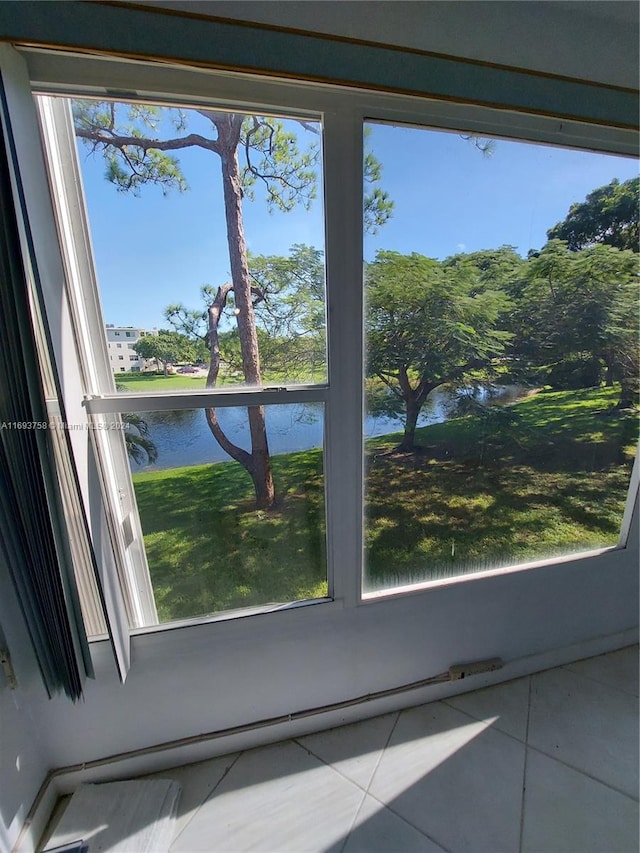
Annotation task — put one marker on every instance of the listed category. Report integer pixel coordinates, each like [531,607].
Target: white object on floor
[136,816]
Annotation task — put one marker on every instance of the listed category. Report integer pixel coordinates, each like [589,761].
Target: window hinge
[7,666]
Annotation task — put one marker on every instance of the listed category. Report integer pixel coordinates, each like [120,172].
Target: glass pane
[212,545]
[208,234]
[502,354]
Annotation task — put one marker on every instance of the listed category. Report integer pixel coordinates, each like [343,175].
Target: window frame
[344,113]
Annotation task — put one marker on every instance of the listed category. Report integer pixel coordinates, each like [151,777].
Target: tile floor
[545,763]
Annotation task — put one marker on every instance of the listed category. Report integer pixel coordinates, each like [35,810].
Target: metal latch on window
[9,674]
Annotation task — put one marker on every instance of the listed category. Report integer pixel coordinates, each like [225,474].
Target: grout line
[412,825]
[385,805]
[585,773]
[524,768]
[483,719]
[383,750]
[347,835]
[227,770]
[537,749]
[327,763]
[568,666]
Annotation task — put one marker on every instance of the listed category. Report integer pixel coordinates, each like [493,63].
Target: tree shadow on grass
[467,502]
[210,550]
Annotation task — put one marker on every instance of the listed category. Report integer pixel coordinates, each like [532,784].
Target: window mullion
[344,468]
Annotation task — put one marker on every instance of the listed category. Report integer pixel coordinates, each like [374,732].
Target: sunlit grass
[209,550]
[554,484]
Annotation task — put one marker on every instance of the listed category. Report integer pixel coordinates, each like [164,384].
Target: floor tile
[567,812]
[617,669]
[507,704]
[354,750]
[276,798]
[197,781]
[586,725]
[379,830]
[455,779]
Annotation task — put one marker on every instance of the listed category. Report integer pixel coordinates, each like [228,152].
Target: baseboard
[64,780]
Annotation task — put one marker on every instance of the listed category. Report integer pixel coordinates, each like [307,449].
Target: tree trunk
[257,463]
[629,392]
[610,369]
[413,410]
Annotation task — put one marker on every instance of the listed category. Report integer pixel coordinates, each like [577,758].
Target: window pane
[502,354]
[208,234]
[210,548]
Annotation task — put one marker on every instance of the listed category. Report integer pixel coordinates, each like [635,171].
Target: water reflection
[183,437]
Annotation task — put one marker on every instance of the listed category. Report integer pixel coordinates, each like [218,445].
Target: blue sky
[152,250]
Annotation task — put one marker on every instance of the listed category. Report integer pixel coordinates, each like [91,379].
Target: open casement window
[247,532]
[219,486]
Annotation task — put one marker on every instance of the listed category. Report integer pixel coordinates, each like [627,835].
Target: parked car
[187,369]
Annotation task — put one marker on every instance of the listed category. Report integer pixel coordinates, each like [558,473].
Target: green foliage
[209,550]
[139,446]
[429,323]
[289,307]
[378,206]
[137,141]
[609,215]
[579,308]
[168,347]
[550,479]
[120,131]
[446,512]
[271,156]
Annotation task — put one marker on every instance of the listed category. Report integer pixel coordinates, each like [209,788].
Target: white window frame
[344,113]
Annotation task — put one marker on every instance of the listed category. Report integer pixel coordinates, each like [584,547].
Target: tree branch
[107,137]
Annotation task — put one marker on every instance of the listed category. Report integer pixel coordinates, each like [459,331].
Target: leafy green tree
[289,310]
[167,347]
[608,215]
[252,150]
[428,324]
[581,308]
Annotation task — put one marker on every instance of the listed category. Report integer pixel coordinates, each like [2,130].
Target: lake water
[183,437]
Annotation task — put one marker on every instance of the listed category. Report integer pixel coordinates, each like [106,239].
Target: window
[119,346]
[229,412]
[501,347]
[229,500]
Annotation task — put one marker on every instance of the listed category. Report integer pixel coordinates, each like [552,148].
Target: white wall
[214,676]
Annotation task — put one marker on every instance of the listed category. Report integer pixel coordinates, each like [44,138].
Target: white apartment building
[120,345]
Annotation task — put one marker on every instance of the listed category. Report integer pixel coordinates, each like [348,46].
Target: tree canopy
[608,215]
[168,347]
[577,314]
[138,143]
[428,324]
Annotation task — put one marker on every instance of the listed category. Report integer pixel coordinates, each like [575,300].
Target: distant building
[120,342]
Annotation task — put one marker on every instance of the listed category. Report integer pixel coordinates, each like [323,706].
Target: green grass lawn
[210,550]
[157,382]
[552,482]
